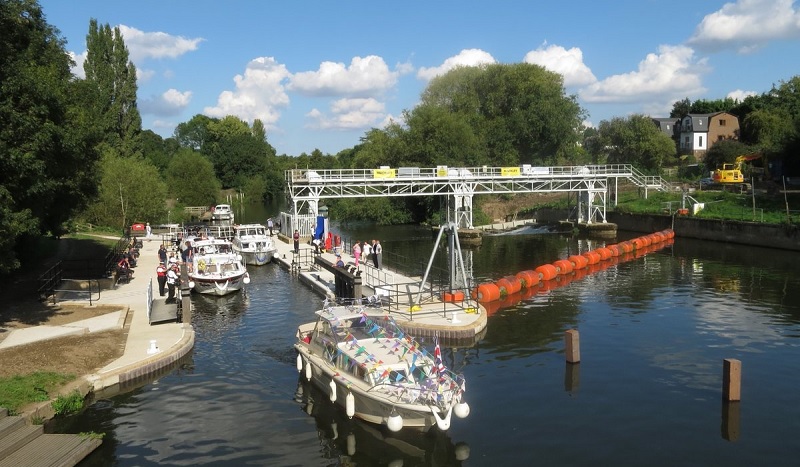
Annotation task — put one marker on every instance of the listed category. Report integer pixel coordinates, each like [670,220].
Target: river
[654,332]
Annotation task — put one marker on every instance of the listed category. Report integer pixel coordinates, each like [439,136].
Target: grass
[70,404]
[18,391]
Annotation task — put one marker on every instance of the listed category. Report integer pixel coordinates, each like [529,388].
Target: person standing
[148,231]
[172,279]
[270,226]
[366,251]
[296,238]
[162,253]
[161,274]
[357,252]
[377,253]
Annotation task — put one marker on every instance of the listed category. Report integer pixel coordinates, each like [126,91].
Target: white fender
[333,391]
[442,423]
[299,363]
[350,405]
[308,370]
[191,284]
[461,410]
[247,279]
[335,430]
[395,422]
[351,444]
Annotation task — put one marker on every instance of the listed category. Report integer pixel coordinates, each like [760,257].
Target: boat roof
[341,312]
[210,241]
[248,226]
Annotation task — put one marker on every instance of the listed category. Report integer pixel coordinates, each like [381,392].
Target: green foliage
[634,140]
[191,179]
[70,404]
[383,211]
[725,151]
[131,190]
[19,391]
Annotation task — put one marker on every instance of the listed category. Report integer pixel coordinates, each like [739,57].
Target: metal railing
[92,287]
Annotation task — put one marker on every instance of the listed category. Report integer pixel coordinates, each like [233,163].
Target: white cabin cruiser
[217,269]
[253,242]
[376,371]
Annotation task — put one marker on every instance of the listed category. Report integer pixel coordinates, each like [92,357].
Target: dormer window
[722,122]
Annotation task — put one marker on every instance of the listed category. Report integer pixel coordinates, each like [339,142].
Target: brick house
[699,132]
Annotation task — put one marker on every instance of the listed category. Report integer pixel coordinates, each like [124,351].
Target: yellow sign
[509,171]
[383,173]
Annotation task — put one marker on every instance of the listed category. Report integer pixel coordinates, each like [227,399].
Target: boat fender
[191,284]
[247,278]
[351,444]
[350,405]
[442,423]
[308,370]
[333,391]
[395,422]
[461,410]
[299,363]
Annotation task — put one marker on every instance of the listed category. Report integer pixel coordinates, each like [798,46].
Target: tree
[635,140]
[681,108]
[194,133]
[517,112]
[131,190]
[191,179]
[113,77]
[237,154]
[47,156]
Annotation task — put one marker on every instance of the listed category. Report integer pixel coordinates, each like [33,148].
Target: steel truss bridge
[592,183]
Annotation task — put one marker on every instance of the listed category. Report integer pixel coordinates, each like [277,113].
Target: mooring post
[573,346]
[731,379]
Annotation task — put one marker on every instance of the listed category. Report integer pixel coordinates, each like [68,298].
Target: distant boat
[376,371]
[254,244]
[222,213]
[217,269]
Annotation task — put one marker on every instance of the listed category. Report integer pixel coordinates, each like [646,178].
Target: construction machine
[731,176]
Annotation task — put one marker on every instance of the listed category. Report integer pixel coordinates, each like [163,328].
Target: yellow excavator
[730,175]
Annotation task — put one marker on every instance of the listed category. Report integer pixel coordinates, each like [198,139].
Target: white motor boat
[217,269]
[254,244]
[222,213]
[376,371]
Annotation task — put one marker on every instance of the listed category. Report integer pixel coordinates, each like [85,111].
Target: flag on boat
[438,364]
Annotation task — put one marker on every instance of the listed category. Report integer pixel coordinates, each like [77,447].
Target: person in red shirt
[161,274]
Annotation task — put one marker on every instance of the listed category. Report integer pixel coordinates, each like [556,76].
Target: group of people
[366,251]
[168,269]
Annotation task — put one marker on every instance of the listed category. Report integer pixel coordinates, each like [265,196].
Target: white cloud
[568,63]
[671,74]
[144,75]
[259,93]
[467,57]
[143,45]
[78,70]
[349,114]
[172,102]
[367,76]
[747,25]
[740,95]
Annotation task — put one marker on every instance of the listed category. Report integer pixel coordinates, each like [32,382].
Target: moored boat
[376,371]
[254,244]
[217,269]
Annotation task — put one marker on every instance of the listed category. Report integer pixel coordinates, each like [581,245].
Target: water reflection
[354,442]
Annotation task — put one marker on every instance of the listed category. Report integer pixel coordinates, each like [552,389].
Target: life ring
[201,264]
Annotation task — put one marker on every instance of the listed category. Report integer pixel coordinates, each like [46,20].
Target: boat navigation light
[395,422]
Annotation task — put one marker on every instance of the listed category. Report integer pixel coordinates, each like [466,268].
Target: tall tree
[635,140]
[47,156]
[191,179]
[113,78]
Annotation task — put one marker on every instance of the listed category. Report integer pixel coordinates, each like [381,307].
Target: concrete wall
[746,233]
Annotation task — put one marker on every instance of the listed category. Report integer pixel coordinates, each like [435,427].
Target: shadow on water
[354,442]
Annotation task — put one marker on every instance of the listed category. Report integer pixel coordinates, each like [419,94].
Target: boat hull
[217,286]
[256,258]
[368,406]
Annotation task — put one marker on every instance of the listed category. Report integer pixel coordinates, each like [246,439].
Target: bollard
[732,379]
[573,346]
[572,378]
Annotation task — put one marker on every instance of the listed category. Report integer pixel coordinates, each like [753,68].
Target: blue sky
[319,74]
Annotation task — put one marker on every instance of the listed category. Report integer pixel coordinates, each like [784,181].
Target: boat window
[211,268]
[419,373]
[398,376]
[245,245]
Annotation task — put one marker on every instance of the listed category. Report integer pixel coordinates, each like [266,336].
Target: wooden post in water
[731,379]
[573,346]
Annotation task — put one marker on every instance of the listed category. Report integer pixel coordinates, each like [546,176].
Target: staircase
[28,445]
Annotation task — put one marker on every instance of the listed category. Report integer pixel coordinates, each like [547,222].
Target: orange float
[638,243]
[626,246]
[604,253]
[592,257]
[615,250]
[548,272]
[453,297]
[486,292]
[508,285]
[563,266]
[578,262]
[669,233]
[528,278]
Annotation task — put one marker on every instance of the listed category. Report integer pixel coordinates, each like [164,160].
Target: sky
[320,74]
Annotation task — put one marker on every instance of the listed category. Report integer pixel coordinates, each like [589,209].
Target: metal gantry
[305,188]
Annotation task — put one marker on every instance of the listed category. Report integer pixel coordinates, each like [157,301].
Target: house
[699,132]
[668,126]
